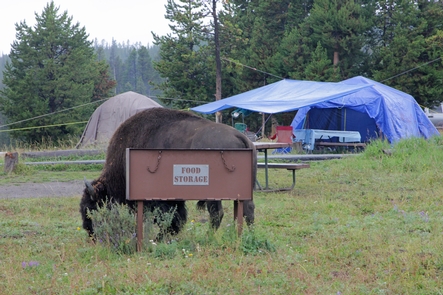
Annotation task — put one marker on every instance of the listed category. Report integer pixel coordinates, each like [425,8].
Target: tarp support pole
[263,122]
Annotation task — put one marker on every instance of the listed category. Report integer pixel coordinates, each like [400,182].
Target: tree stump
[11,161]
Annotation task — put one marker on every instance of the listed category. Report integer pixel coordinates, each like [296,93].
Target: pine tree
[53,68]
[131,70]
[292,56]
[185,57]
[409,58]
[258,30]
[145,70]
[269,24]
[320,67]
[340,27]
[116,67]
[103,85]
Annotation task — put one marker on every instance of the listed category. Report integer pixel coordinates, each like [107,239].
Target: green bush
[114,226]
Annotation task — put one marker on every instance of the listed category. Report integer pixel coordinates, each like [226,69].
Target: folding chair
[284,134]
[241,127]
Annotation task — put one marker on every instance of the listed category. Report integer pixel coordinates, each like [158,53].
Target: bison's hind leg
[248,213]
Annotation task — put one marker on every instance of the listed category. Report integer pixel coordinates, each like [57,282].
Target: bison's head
[94,196]
[95,190]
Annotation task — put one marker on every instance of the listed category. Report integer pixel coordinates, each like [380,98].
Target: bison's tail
[201,205]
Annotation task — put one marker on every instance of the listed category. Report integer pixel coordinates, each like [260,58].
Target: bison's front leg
[178,208]
[180,217]
[215,210]
[86,206]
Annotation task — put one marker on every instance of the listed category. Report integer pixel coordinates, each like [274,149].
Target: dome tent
[109,115]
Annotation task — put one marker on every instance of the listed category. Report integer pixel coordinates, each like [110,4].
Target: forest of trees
[121,58]
[123,71]
[131,66]
[52,68]
[398,43]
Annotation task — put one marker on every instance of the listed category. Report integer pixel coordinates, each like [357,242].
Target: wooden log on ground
[11,161]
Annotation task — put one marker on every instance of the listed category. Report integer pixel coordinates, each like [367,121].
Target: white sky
[122,20]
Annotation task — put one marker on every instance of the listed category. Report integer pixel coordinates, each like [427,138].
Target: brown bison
[161,128]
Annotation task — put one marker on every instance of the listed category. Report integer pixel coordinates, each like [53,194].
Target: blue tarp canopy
[283,96]
[356,104]
[375,110]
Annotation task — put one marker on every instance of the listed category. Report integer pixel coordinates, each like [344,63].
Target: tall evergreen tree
[145,70]
[189,77]
[131,69]
[340,27]
[293,55]
[52,68]
[268,22]
[116,67]
[103,85]
[319,67]
[255,31]
[409,57]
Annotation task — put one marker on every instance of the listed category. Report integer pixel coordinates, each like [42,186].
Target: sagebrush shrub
[114,226]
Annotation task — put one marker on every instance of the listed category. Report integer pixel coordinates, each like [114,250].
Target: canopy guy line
[249,67]
[45,126]
[402,73]
[49,114]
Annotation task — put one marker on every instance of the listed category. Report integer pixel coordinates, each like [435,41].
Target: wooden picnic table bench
[288,166]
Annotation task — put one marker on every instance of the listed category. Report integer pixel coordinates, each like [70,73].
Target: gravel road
[44,189]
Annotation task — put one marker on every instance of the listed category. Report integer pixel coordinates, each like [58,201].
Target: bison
[161,128]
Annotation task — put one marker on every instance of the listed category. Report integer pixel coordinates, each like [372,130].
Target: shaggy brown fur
[162,128]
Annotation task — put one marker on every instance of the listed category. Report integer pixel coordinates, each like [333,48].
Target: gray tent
[108,116]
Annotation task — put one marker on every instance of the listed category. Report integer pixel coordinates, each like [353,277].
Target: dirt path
[45,189]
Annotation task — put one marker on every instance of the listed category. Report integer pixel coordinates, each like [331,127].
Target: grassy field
[370,224]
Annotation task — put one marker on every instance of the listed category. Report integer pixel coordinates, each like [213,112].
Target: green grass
[369,224]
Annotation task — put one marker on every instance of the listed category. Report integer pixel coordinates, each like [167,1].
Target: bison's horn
[90,189]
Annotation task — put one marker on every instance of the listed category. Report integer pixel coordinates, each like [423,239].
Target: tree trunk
[263,123]
[336,58]
[11,161]
[218,73]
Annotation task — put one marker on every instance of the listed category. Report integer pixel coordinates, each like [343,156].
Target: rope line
[46,126]
[402,73]
[251,68]
[178,99]
[49,114]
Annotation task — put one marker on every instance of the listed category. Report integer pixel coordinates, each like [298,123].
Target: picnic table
[310,137]
[264,147]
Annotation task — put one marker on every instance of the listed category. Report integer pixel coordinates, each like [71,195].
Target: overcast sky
[122,20]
